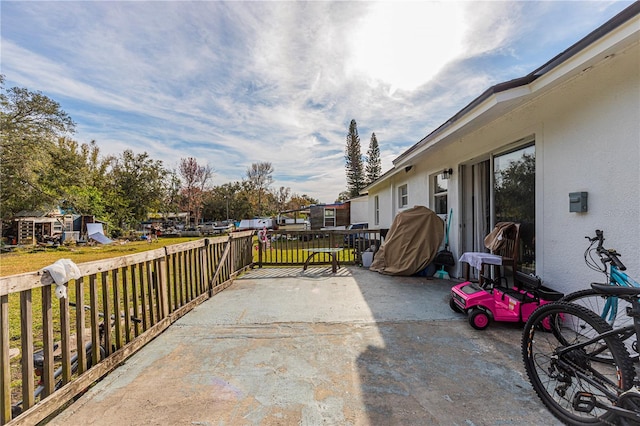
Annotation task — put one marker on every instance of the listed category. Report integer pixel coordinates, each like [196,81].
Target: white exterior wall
[359,210]
[587,138]
[386,208]
[591,142]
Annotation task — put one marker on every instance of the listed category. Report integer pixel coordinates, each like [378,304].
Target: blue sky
[234,83]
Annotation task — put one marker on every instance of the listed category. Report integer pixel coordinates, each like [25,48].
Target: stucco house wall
[359,209]
[593,145]
[587,138]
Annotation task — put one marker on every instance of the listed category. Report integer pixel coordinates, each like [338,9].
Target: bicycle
[610,308]
[578,364]
[38,361]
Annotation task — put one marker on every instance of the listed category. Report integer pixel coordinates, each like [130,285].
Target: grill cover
[411,244]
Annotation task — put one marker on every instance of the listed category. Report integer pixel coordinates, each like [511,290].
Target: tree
[195,178]
[300,202]
[373,168]
[171,203]
[297,202]
[242,202]
[74,177]
[30,123]
[222,202]
[282,197]
[259,177]
[353,157]
[343,196]
[236,203]
[136,188]
[32,114]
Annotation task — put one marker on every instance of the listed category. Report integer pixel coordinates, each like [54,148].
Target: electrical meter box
[577,202]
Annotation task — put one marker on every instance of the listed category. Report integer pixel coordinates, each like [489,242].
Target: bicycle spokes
[577,373]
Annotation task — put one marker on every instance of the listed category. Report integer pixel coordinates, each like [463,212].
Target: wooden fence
[120,305]
[282,247]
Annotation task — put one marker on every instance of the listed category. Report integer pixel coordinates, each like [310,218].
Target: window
[376,213]
[514,189]
[440,186]
[403,196]
[329,217]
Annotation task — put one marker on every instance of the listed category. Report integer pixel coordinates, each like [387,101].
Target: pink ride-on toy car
[500,303]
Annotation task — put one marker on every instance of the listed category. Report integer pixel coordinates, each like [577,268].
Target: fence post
[206,266]
[202,285]
[47,340]
[26,343]
[233,262]
[5,372]
[163,285]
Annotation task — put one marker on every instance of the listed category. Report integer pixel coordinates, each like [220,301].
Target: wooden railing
[120,305]
[283,247]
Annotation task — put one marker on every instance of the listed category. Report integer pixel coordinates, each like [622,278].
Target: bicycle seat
[615,290]
[38,357]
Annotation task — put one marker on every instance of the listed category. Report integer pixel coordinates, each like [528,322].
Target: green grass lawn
[32,259]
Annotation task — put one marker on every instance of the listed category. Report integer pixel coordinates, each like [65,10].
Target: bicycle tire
[564,382]
[594,301]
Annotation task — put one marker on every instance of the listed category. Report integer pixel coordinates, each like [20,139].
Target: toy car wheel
[454,306]
[478,319]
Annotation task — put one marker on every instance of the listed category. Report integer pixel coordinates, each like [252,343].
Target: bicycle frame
[594,377]
[619,278]
[594,380]
[612,268]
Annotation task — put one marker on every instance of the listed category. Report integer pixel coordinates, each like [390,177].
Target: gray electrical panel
[577,202]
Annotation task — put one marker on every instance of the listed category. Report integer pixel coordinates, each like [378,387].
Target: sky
[232,83]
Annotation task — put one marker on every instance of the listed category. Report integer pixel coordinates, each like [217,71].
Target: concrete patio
[292,347]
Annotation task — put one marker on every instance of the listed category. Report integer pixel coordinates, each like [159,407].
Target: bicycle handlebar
[599,238]
[613,256]
[608,255]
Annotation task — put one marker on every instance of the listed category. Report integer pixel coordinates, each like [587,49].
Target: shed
[330,215]
[32,227]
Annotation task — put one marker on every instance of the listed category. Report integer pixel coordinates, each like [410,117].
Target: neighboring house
[359,207]
[336,215]
[32,227]
[518,150]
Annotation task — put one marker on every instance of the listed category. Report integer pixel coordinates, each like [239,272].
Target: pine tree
[353,157]
[373,168]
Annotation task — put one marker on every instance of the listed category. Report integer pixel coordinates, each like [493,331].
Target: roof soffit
[488,110]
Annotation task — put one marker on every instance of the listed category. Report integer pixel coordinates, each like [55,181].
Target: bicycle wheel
[612,309]
[574,385]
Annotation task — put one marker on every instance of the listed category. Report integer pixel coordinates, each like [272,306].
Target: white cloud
[406,44]
[232,83]
[494,25]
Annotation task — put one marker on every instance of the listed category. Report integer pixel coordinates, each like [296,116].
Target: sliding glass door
[514,195]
